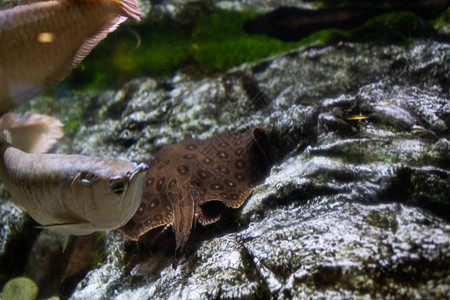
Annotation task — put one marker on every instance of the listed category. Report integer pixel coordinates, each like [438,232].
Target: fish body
[194,180]
[73,194]
[42,41]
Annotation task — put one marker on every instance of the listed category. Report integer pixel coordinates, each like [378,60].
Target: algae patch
[20,288]
[216,42]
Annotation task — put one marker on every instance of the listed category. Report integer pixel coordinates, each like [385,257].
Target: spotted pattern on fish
[184,177]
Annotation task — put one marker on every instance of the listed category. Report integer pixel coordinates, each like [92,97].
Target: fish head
[110,195]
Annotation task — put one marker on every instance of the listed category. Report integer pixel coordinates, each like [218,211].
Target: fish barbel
[73,194]
[42,41]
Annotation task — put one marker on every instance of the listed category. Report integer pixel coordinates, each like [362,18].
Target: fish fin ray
[29,132]
[130,9]
[20,93]
[82,51]
[65,241]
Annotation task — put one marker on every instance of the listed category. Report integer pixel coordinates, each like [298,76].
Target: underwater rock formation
[352,207]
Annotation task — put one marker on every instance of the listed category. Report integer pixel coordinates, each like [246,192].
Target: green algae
[214,43]
[442,19]
[395,27]
[20,288]
[98,254]
[222,47]
[217,42]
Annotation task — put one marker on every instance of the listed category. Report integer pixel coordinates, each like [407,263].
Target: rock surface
[357,202]
[179,9]
[351,208]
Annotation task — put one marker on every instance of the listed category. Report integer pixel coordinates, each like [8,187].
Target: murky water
[339,188]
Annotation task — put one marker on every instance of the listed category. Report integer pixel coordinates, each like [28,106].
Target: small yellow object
[356,118]
[45,37]
[384,103]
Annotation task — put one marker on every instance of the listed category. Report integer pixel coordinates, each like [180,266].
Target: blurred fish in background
[41,42]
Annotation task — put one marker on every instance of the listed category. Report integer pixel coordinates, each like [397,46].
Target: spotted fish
[73,194]
[42,41]
[186,181]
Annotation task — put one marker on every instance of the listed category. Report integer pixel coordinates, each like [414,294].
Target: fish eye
[117,188]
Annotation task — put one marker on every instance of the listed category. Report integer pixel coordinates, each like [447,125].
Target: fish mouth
[139,168]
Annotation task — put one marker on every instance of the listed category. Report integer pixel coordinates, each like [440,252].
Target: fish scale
[39,192]
[187,181]
[72,193]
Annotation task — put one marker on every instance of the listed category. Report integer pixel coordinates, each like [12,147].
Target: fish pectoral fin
[61,229]
[65,241]
[30,132]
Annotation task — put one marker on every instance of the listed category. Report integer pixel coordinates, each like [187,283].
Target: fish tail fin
[130,9]
[29,132]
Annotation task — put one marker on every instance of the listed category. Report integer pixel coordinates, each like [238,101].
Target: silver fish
[73,194]
[42,41]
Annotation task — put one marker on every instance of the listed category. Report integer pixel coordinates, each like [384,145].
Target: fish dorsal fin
[7,4]
[128,9]
[29,132]
[84,49]
[51,44]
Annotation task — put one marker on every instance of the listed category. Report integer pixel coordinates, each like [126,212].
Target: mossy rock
[20,288]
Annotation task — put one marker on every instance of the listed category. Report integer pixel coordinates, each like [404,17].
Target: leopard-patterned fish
[192,181]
